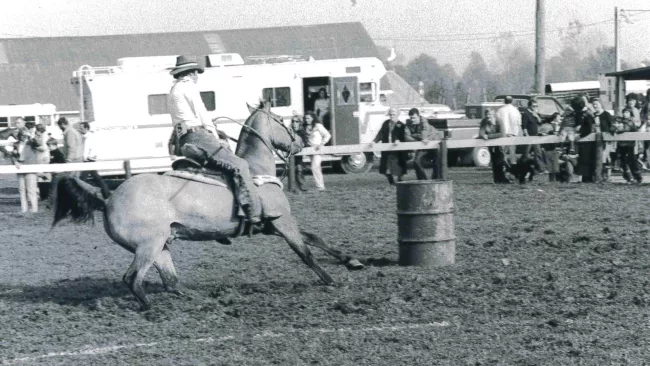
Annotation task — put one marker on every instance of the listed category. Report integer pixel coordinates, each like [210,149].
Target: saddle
[186,168]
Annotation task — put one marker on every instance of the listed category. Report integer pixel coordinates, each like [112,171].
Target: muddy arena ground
[545,274]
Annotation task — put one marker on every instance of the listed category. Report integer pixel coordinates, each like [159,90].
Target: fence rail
[164,163]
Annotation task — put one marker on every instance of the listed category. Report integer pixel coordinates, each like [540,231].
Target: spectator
[490,129]
[72,142]
[569,128]
[318,136]
[322,106]
[42,155]
[23,153]
[587,125]
[56,156]
[88,141]
[509,119]
[296,126]
[419,129]
[530,122]
[626,148]
[604,123]
[392,164]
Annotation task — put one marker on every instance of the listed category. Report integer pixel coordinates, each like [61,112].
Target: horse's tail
[72,196]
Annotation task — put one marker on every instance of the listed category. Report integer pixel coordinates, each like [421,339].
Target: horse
[147,212]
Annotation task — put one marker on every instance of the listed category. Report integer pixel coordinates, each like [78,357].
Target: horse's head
[266,127]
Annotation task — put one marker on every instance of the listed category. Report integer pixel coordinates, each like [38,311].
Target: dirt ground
[545,274]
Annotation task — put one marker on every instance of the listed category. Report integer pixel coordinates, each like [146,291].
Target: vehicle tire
[357,163]
[481,156]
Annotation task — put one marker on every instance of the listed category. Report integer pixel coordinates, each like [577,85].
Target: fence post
[598,157]
[443,169]
[555,164]
[291,186]
[127,169]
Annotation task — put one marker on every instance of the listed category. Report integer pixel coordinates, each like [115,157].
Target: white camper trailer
[127,104]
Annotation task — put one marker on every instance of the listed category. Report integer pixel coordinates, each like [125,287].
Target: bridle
[276,119]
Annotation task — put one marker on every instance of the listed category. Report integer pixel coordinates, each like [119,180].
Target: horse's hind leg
[145,254]
[165,267]
[288,229]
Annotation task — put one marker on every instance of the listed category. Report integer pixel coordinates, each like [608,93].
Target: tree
[476,77]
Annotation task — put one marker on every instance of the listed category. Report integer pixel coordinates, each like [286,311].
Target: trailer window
[367,92]
[279,97]
[209,100]
[158,104]
[4,122]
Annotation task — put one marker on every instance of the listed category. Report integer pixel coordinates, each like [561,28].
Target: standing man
[73,144]
[197,137]
[530,123]
[392,163]
[509,120]
[419,129]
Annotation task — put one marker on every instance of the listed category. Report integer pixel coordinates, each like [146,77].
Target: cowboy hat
[184,63]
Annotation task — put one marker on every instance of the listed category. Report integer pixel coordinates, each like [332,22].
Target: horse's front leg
[287,227]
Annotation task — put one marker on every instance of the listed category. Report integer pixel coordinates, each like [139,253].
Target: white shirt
[319,135]
[89,142]
[509,118]
[185,105]
[323,105]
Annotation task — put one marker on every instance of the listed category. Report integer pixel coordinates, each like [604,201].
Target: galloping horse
[147,212]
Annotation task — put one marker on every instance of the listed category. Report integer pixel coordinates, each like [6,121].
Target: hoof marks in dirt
[348,308]
[380,262]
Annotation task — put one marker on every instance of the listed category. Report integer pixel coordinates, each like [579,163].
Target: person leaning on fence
[392,163]
[419,129]
[296,126]
[586,124]
[490,129]
[569,129]
[626,149]
[24,153]
[530,123]
[509,119]
[604,123]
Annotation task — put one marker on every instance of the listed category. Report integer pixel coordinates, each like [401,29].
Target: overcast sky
[448,30]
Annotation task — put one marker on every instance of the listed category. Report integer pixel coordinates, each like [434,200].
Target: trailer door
[345,107]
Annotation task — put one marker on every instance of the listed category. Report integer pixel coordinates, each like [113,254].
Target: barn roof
[37,70]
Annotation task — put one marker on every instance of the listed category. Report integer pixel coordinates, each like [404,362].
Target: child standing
[626,149]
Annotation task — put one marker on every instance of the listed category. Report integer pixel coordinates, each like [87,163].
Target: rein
[256,133]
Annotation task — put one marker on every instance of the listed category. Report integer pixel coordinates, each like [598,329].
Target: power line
[523,33]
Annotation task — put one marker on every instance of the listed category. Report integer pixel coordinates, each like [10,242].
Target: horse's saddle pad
[189,169]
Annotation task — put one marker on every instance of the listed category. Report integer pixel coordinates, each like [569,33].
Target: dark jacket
[489,130]
[606,122]
[625,125]
[56,157]
[398,134]
[530,123]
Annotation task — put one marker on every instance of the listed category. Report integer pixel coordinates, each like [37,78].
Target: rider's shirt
[185,105]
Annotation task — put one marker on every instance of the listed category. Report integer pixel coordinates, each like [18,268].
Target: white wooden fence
[116,167]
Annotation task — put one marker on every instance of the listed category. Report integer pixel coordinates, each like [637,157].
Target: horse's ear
[250,108]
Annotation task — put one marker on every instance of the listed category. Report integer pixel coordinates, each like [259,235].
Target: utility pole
[540,72]
[617,35]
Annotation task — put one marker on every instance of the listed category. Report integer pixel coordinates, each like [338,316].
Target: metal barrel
[425,222]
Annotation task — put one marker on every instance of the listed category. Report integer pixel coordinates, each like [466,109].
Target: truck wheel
[357,163]
[481,156]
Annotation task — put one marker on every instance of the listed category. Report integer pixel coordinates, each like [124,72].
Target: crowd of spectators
[580,119]
[34,146]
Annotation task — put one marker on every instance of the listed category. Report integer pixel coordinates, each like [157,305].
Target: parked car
[547,105]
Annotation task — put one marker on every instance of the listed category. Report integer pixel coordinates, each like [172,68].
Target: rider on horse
[196,137]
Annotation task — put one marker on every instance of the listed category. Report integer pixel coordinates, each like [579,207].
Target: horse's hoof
[354,265]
